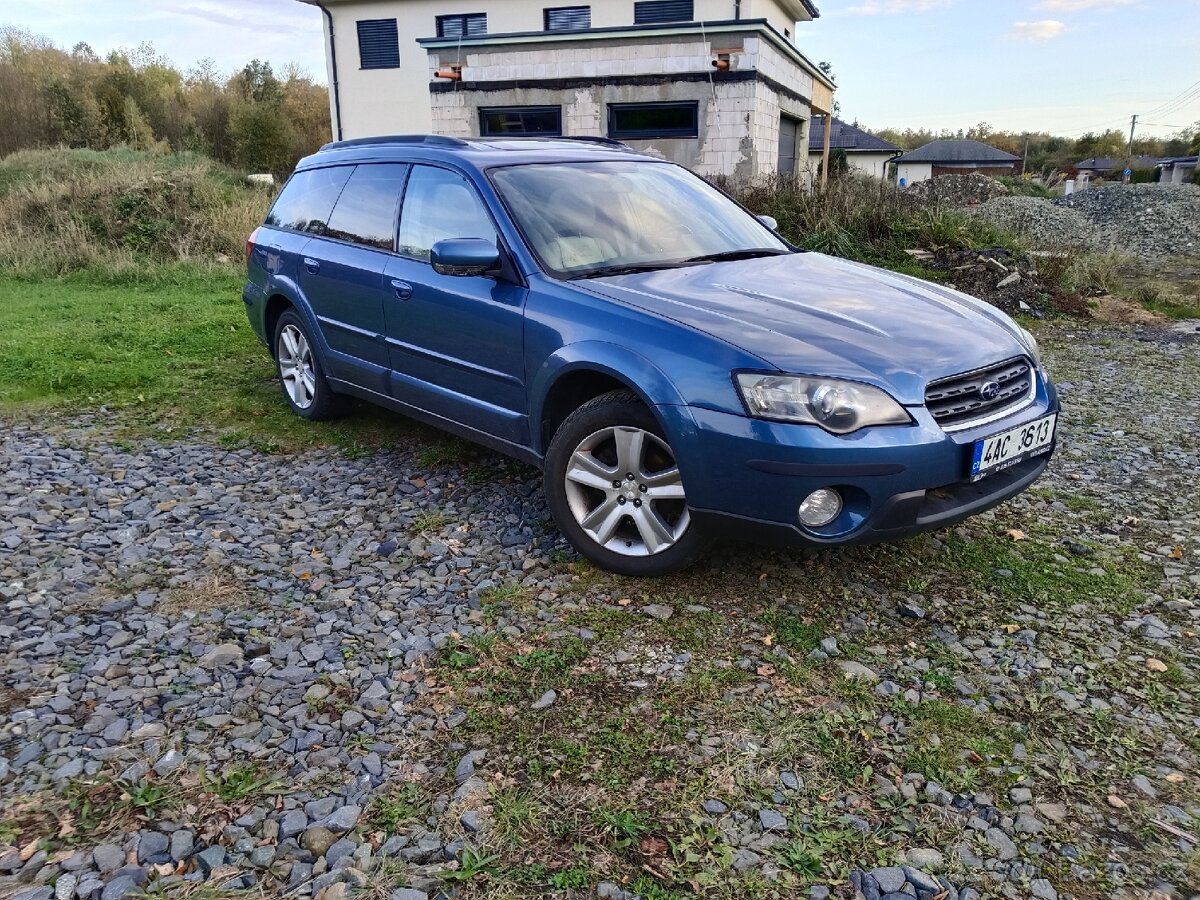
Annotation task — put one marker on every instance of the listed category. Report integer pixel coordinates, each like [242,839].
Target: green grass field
[164,356]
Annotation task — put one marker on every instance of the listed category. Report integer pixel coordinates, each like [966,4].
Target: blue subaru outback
[677,370]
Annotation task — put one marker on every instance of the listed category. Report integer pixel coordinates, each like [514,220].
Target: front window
[609,218]
[440,205]
[520,121]
[646,121]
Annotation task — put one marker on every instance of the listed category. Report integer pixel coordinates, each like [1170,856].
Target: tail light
[250,241]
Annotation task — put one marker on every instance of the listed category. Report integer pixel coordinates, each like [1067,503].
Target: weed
[429,522]
[473,864]
[401,806]
[241,782]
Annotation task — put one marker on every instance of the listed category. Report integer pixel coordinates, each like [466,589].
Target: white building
[953,158]
[866,154]
[718,85]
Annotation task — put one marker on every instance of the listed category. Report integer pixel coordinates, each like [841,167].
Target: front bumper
[749,476]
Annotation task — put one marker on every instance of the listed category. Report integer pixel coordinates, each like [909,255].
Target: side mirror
[464,257]
[770,221]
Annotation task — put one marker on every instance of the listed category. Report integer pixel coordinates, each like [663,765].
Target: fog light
[820,508]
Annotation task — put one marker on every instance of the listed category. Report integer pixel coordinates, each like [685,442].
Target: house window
[378,44]
[520,121]
[647,12]
[653,120]
[468,25]
[568,18]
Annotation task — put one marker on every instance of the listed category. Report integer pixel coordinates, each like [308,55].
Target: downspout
[337,98]
[737,10]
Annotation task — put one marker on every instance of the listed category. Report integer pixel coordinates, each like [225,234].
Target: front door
[456,344]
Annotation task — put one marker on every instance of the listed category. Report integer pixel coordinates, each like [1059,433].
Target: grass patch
[166,357]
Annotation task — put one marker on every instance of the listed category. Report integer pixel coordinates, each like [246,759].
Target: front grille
[957,402]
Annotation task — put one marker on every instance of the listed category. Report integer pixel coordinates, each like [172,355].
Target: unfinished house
[717,85]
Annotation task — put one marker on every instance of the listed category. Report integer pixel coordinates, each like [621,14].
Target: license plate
[1011,447]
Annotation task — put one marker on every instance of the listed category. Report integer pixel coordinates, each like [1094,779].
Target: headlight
[837,406]
[1032,345]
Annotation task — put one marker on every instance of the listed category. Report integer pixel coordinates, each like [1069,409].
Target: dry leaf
[1156,665]
[1012,629]
[29,849]
[1116,802]
[624,601]
[1177,553]
[653,846]
[769,640]
[1016,534]
[1176,778]
[766,670]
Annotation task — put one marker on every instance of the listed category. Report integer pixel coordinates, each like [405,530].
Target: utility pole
[1132,127]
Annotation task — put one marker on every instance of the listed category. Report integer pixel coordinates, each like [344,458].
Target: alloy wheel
[624,489]
[296,367]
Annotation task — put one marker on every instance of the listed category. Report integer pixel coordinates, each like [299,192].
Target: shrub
[76,209]
[863,219]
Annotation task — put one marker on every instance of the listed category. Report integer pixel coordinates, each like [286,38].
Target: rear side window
[308,198]
[440,205]
[366,211]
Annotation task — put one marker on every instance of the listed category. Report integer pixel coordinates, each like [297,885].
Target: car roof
[479,153]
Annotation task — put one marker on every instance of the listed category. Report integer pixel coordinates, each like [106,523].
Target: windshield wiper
[629,269]
[732,255]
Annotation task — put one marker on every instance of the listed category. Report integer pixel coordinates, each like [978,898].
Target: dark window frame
[548,15]
[464,29]
[653,12]
[620,133]
[388,56]
[403,180]
[283,198]
[485,111]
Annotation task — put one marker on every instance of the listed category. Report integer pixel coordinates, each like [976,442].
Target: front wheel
[615,489]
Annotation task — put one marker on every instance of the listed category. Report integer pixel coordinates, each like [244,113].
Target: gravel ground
[314,675]
[1150,222]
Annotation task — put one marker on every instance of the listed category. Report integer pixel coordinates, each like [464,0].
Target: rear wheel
[615,489]
[304,385]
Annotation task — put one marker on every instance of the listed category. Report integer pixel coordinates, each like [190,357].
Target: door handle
[404,290]
[312,265]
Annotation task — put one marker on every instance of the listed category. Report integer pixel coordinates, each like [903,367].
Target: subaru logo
[989,390]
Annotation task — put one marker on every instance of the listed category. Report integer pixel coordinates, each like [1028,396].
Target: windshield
[607,218]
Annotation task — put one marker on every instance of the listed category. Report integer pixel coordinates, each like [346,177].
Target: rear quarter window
[307,200]
[366,210]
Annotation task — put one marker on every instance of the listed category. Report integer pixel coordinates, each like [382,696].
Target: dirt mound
[1008,281]
[955,190]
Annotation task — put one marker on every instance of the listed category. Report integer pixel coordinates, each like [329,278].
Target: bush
[863,219]
[1024,187]
[68,210]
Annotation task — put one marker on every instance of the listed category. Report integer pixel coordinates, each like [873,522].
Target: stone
[1042,889]
[152,847]
[408,894]
[317,840]
[343,819]
[545,701]
[1142,785]
[715,807]
[744,860]
[926,859]
[1001,844]
[108,857]
[119,887]
[772,821]
[210,858]
[222,656]
[890,879]
[659,611]
[851,669]
[293,822]
[181,844]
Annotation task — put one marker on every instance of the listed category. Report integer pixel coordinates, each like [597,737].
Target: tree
[827,68]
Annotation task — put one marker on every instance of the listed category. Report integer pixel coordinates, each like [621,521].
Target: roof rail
[429,140]
[590,139]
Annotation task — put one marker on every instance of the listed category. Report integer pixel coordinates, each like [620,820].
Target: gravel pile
[955,190]
[1044,225]
[170,615]
[1149,221]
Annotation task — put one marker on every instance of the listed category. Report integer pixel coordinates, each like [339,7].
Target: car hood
[811,314]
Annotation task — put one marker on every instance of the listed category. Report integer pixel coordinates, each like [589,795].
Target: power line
[1187,90]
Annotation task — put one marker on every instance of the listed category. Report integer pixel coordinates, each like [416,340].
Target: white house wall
[392,101]
[873,164]
[911,173]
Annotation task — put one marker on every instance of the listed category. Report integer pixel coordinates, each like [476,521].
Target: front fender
[630,368]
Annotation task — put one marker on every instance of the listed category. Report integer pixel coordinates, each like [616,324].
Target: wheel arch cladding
[579,372]
[277,304]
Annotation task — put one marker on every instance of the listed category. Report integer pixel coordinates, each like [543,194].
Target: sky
[1065,66]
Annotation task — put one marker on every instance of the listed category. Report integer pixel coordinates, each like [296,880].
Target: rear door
[457,344]
[341,273]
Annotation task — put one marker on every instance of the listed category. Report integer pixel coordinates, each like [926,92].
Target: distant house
[954,158]
[865,152]
[1112,166]
[1177,170]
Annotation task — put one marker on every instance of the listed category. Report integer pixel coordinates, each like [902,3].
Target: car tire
[300,374]
[614,489]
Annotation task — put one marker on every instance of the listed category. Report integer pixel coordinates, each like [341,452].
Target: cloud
[1080,5]
[894,7]
[1045,30]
